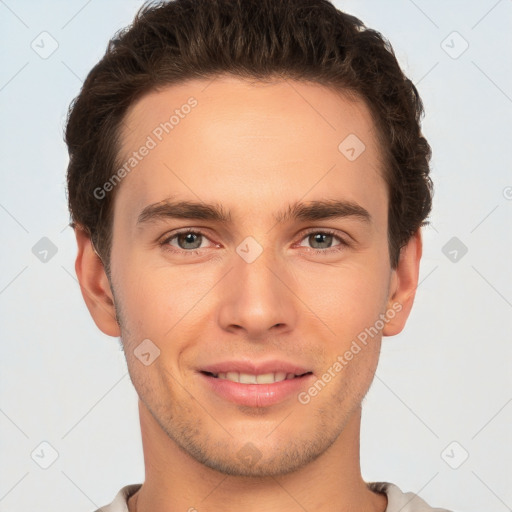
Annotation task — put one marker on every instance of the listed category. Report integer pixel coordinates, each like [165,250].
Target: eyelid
[325,231]
[343,243]
[196,231]
[200,231]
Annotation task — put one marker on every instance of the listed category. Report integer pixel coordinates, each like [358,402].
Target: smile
[248,378]
[256,389]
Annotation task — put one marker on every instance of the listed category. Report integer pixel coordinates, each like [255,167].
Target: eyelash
[323,252]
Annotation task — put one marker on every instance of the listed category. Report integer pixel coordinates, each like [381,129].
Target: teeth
[279,376]
[232,376]
[247,378]
[265,378]
[244,378]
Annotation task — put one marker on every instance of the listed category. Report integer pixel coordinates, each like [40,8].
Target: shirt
[398,501]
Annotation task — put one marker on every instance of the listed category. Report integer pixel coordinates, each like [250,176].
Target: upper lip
[255,368]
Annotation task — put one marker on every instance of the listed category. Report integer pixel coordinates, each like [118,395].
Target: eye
[189,242]
[185,242]
[322,241]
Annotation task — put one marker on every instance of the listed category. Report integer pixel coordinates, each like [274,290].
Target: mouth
[249,378]
[260,389]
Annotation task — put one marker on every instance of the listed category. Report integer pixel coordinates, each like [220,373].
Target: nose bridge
[255,296]
[256,267]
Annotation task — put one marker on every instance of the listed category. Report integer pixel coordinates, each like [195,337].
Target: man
[247,183]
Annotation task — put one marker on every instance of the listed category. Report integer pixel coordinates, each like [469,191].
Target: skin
[254,148]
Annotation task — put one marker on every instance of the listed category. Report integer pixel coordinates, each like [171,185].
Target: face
[280,267]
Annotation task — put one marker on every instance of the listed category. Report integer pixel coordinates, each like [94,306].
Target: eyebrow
[310,211]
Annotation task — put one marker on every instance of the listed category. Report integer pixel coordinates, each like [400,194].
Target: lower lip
[257,395]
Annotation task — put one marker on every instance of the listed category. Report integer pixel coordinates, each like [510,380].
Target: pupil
[319,236]
[189,239]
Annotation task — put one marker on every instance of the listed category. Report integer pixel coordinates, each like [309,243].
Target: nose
[257,299]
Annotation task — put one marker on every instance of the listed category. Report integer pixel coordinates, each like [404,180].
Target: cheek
[348,298]
[159,300]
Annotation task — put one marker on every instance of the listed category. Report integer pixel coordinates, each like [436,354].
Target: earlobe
[94,285]
[403,286]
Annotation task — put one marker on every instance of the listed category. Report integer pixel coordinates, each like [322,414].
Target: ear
[94,285]
[403,284]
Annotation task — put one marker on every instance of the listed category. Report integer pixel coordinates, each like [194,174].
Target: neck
[175,481]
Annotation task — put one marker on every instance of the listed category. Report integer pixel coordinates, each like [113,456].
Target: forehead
[249,144]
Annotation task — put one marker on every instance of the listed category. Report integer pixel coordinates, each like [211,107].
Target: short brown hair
[307,40]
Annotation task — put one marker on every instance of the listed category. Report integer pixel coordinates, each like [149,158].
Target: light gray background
[446,378]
